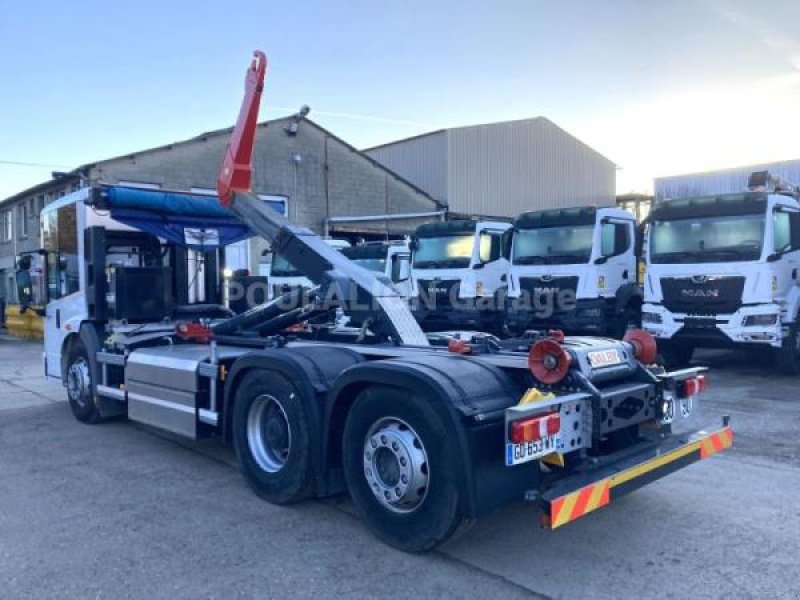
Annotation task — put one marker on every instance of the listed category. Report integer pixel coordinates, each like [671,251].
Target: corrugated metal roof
[723,181]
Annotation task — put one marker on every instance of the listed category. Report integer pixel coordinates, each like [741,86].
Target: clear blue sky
[658,87]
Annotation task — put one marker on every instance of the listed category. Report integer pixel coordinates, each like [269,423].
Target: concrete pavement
[116,511]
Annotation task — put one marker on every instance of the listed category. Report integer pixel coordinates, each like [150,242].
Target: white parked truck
[392,259]
[424,438]
[574,269]
[283,276]
[724,271]
[457,269]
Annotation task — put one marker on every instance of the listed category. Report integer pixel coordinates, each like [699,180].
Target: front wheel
[789,354]
[400,471]
[78,381]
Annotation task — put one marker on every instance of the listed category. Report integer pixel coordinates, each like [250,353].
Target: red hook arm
[237,168]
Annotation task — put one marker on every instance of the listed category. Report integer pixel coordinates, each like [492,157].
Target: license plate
[517,454]
[604,358]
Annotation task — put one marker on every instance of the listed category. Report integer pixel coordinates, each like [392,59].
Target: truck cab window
[615,239]
[60,241]
[490,246]
[782,232]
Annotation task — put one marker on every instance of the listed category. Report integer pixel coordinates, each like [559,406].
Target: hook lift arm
[367,298]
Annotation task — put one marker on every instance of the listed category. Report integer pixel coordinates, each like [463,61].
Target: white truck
[723,271]
[574,269]
[392,259]
[283,276]
[456,271]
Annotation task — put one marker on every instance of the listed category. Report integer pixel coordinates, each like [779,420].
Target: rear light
[535,428]
[692,386]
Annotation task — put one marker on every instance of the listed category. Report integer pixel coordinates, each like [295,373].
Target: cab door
[616,263]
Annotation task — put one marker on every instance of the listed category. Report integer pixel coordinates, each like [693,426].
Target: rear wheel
[789,354]
[400,471]
[78,381]
[271,437]
[675,355]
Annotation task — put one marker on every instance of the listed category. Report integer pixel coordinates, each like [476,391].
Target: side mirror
[413,245]
[775,257]
[601,260]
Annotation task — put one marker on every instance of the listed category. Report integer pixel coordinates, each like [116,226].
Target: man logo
[698,293]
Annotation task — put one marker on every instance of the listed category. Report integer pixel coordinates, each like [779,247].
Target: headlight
[760,320]
[649,317]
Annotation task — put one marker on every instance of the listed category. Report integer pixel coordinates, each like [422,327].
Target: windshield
[707,239]
[281,267]
[551,245]
[372,264]
[452,251]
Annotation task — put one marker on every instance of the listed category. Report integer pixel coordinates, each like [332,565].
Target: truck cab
[392,259]
[574,269]
[722,271]
[283,277]
[457,268]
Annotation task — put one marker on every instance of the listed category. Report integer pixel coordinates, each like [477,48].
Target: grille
[439,291]
[536,286]
[709,296]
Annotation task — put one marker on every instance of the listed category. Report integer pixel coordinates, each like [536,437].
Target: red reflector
[535,428]
[703,383]
[459,347]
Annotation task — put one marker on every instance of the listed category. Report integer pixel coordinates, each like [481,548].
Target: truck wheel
[674,355]
[400,471]
[78,381]
[271,437]
[630,317]
[789,355]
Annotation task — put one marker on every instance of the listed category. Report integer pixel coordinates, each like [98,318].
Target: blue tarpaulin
[191,220]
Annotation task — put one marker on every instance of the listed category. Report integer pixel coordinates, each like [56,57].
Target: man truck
[724,271]
[425,437]
[574,269]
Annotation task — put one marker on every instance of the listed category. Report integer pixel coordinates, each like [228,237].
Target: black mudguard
[630,292]
[312,370]
[91,335]
[470,397]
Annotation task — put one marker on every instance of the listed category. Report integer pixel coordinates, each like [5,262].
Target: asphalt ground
[121,511]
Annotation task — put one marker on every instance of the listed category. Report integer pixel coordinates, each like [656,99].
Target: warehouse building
[723,181]
[317,179]
[503,169]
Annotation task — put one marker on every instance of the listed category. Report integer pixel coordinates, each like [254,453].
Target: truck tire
[789,354]
[674,355]
[400,471]
[78,381]
[271,437]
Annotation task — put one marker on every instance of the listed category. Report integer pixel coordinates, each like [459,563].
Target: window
[450,251]
[725,238]
[614,239]
[782,232]
[5,226]
[491,246]
[60,240]
[24,217]
[553,245]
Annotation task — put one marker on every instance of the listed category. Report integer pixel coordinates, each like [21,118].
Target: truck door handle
[794,274]
[58,318]
[625,274]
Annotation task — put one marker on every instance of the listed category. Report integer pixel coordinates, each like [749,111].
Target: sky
[660,88]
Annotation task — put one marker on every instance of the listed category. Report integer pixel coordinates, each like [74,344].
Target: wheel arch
[627,295]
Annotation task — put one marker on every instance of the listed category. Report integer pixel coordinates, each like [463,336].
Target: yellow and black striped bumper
[583,494]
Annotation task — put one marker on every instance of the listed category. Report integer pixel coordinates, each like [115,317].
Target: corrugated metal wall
[421,160]
[507,168]
[721,182]
[503,169]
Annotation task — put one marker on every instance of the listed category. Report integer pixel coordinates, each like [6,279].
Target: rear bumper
[580,494]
